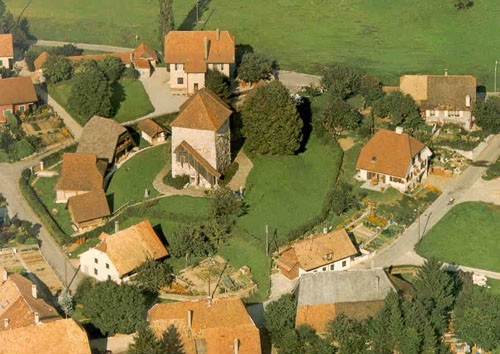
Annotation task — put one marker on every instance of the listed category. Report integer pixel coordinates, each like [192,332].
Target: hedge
[39,208]
[55,157]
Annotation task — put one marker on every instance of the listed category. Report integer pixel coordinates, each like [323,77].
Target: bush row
[36,204]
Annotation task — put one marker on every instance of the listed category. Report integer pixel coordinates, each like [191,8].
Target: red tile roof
[204,111]
[17,90]
[6,46]
[389,153]
[143,51]
[150,127]
[42,58]
[188,47]
[79,173]
[89,206]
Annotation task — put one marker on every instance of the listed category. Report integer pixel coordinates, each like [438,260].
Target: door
[195,87]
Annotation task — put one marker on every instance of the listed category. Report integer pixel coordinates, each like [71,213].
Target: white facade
[416,172]
[159,138]
[342,264]
[97,264]
[63,196]
[463,118]
[5,61]
[191,82]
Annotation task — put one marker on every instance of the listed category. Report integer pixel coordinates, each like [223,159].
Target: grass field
[386,38]
[129,98]
[467,235]
[136,175]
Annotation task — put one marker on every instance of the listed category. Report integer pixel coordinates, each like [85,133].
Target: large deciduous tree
[255,67]
[488,115]
[114,308]
[341,81]
[165,18]
[400,108]
[271,122]
[91,94]
[153,275]
[56,69]
[339,115]
[112,68]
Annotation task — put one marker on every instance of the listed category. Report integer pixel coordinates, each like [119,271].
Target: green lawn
[386,38]
[494,285]
[136,175]
[467,235]
[4,157]
[129,98]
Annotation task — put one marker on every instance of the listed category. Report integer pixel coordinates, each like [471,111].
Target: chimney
[217,32]
[5,322]
[445,72]
[399,130]
[190,318]
[117,226]
[33,291]
[205,46]
[236,346]
[377,283]
[37,318]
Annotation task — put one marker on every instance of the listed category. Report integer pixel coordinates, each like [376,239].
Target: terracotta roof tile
[16,90]
[6,46]
[129,248]
[319,250]
[150,127]
[143,51]
[89,206]
[445,92]
[141,63]
[204,111]
[41,59]
[79,173]
[389,153]
[216,327]
[192,151]
[60,336]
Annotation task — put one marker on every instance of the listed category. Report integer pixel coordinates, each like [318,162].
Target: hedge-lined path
[17,205]
[244,168]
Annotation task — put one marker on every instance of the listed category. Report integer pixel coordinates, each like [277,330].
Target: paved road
[402,251]
[9,175]
[97,47]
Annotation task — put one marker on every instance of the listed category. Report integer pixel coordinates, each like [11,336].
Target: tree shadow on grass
[118,97]
[237,138]
[304,109]
[189,22]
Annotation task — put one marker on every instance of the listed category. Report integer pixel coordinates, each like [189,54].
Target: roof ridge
[206,108]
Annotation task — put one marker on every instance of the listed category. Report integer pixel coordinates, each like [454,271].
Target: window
[180,81]
[109,277]
[221,67]
[95,271]
[324,269]
[396,180]
[107,265]
[454,114]
[432,113]
[21,109]
[344,264]
[7,111]
[96,261]
[332,267]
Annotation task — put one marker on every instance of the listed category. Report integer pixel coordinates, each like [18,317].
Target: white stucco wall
[190,79]
[328,268]
[5,61]
[63,196]
[464,118]
[104,267]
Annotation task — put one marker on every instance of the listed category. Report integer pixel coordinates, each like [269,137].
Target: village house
[6,50]
[17,94]
[443,98]
[106,139]
[118,255]
[152,132]
[357,294]
[79,175]
[28,324]
[190,54]
[393,159]
[219,326]
[330,251]
[88,210]
[142,58]
[201,139]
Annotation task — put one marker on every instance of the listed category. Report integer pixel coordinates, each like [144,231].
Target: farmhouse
[152,132]
[394,159]
[191,54]
[443,98]
[89,209]
[79,175]
[201,141]
[17,94]
[30,325]
[106,139]
[6,50]
[357,294]
[118,255]
[330,251]
[220,326]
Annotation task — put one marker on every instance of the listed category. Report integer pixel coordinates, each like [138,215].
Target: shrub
[20,150]
[341,81]
[177,182]
[255,67]
[229,174]
[463,4]
[131,73]
[493,171]
[57,68]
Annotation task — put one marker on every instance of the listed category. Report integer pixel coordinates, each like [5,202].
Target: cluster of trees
[404,324]
[487,115]
[18,27]
[271,122]
[21,231]
[204,238]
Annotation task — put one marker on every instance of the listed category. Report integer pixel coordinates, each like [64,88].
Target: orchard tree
[56,69]
[165,18]
[91,94]
[255,67]
[488,115]
[339,115]
[219,84]
[400,108]
[191,240]
[271,122]
[341,81]
[153,275]
[114,308]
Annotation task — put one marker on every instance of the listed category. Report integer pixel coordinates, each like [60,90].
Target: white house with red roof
[395,159]
[6,50]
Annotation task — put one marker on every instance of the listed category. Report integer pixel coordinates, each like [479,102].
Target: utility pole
[496,63]
[267,240]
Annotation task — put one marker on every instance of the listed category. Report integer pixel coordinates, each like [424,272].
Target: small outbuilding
[89,210]
[152,132]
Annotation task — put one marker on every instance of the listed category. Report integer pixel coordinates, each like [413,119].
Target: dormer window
[328,256]
[373,159]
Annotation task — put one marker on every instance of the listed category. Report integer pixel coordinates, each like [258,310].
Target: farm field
[386,39]
[467,235]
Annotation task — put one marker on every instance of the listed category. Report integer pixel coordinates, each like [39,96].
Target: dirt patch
[346,143]
[439,180]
